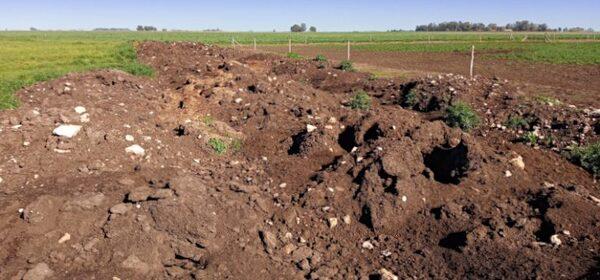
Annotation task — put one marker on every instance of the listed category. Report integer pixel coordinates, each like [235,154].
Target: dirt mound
[230,164]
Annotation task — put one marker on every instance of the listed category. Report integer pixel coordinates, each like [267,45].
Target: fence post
[290,46]
[254,44]
[472,61]
[233,42]
[348,50]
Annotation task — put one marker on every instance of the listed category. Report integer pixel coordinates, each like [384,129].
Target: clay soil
[577,84]
[305,188]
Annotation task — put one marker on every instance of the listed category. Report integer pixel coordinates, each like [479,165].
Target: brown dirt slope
[302,186]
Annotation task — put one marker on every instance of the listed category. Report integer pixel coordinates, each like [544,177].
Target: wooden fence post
[472,61]
[233,42]
[254,44]
[348,57]
[290,46]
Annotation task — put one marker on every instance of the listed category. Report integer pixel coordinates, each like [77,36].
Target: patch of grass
[208,120]
[517,122]
[548,100]
[320,58]
[588,157]
[236,145]
[530,138]
[410,99]
[219,146]
[461,115]
[294,55]
[347,65]
[360,101]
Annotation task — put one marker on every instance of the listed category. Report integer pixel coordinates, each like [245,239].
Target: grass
[588,157]
[320,58]
[360,101]
[347,65]
[461,115]
[517,123]
[218,145]
[294,55]
[410,99]
[24,62]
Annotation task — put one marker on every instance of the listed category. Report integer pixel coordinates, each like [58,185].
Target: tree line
[302,28]
[522,25]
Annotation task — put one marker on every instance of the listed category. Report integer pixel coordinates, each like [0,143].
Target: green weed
[360,101]
[461,115]
[218,145]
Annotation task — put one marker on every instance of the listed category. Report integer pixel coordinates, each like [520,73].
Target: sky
[332,15]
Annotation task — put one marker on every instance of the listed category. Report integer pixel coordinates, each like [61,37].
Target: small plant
[373,77]
[588,157]
[461,115]
[236,145]
[548,100]
[410,99]
[531,138]
[360,101]
[346,65]
[320,58]
[517,122]
[294,55]
[218,145]
[208,120]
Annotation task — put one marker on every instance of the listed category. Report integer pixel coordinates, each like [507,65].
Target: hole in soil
[365,217]
[448,165]
[181,131]
[545,231]
[455,241]
[373,133]
[346,139]
[252,88]
[181,105]
[297,141]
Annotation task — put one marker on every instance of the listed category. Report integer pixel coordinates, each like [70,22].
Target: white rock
[332,222]
[555,240]
[404,198]
[387,275]
[80,110]
[347,219]
[129,138]
[368,245]
[310,128]
[238,100]
[1,180]
[136,150]
[67,130]
[518,162]
[65,238]
[507,173]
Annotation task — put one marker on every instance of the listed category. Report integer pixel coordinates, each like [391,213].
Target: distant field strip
[29,57]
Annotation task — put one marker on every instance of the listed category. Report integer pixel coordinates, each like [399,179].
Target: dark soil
[307,188]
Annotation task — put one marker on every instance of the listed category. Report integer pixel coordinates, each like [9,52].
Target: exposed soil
[307,189]
[576,84]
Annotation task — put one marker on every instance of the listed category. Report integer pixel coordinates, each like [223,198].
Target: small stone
[85,118]
[554,240]
[347,219]
[65,238]
[133,262]
[518,162]
[332,222]
[67,130]
[238,100]
[283,185]
[120,208]
[40,271]
[80,110]
[385,274]
[404,198]
[368,245]
[1,180]
[507,174]
[136,150]
[310,128]
[139,194]
[129,138]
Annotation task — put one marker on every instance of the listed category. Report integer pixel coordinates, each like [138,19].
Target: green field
[29,57]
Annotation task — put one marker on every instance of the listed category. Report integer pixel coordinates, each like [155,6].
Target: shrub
[320,58]
[410,99]
[346,65]
[294,55]
[530,138]
[461,115]
[218,145]
[360,101]
[517,122]
[588,157]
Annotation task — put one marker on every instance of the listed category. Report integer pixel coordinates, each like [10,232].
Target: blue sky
[333,15]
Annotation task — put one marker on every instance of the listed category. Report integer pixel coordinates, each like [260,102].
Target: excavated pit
[448,165]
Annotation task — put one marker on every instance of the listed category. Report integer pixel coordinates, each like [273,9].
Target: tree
[313,29]
[140,28]
[298,27]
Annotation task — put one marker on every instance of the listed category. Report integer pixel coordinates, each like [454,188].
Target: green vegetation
[530,138]
[208,120]
[461,115]
[360,101]
[218,145]
[294,55]
[588,157]
[548,100]
[320,58]
[236,145]
[410,99]
[517,122]
[346,65]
